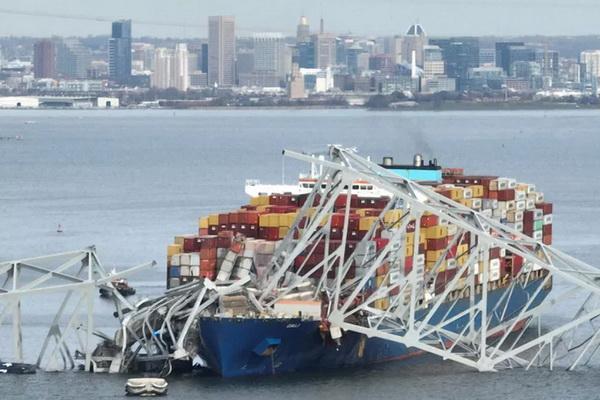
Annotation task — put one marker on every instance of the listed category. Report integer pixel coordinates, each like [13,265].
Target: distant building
[433,61]
[296,84]
[383,63]
[161,77]
[306,54]
[487,57]
[180,70]
[503,55]
[414,40]
[325,50]
[198,79]
[393,47]
[303,31]
[438,84]
[119,52]
[269,54]
[143,53]
[317,80]
[590,63]
[221,51]
[44,59]
[486,78]
[72,59]
[204,60]
[460,54]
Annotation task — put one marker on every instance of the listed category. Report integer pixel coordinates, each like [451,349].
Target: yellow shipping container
[269,220]
[409,251]
[381,281]
[173,249]
[262,208]
[431,263]
[262,200]
[410,239]
[382,304]
[283,230]
[457,193]
[366,222]
[213,219]
[436,232]
[477,190]
[393,216]
[179,239]
[433,255]
[203,223]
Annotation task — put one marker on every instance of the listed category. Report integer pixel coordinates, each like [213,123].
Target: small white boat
[146,387]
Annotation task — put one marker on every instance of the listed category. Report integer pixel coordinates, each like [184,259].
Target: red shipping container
[207,241]
[547,230]
[381,243]
[273,200]
[336,233]
[491,194]
[528,216]
[208,265]
[495,252]
[252,231]
[209,253]
[233,218]
[383,269]
[429,221]
[302,199]
[437,244]
[342,198]
[190,244]
[203,231]
[506,195]
[224,227]
[337,220]
[223,219]
[213,229]
[547,240]
[252,217]
[249,207]
[268,233]
[545,207]
[211,275]
[408,265]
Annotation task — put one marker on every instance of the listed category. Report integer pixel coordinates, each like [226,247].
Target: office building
[306,54]
[221,51]
[460,54]
[590,64]
[502,55]
[269,54]
[414,40]
[487,57]
[303,31]
[72,59]
[383,63]
[143,53]
[119,52]
[325,50]
[44,59]
[180,77]
[433,61]
[161,77]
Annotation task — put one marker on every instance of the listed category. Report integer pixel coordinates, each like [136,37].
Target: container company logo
[292,326]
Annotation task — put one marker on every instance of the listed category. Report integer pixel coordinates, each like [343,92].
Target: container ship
[237,338]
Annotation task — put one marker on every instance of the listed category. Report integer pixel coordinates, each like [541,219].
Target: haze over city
[188,18]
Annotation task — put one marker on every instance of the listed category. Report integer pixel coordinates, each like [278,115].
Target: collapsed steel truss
[488,337]
[77,275]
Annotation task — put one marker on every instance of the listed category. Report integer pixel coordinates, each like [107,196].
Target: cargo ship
[235,338]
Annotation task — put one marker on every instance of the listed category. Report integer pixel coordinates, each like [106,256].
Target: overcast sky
[187,18]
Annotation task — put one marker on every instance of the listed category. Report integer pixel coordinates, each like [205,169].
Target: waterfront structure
[44,59]
[72,59]
[119,52]
[433,61]
[221,51]
[303,31]
[414,40]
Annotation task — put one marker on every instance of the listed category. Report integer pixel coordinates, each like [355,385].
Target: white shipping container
[538,214]
[467,193]
[514,216]
[476,204]
[185,259]
[452,229]
[510,205]
[538,235]
[176,260]
[185,270]
[529,204]
[451,263]
[511,183]
[517,226]
[547,219]
[487,212]
[194,259]
[490,203]
[520,205]
[195,271]
[520,195]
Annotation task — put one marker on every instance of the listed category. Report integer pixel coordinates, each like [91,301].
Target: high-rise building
[503,56]
[414,40]
[487,57]
[303,31]
[161,76]
[44,59]
[549,63]
[393,47]
[325,49]
[144,54]
[296,85]
[306,54]
[519,53]
[433,61]
[119,52]
[221,51]
[269,54]
[180,77]
[460,54]
[72,59]
[204,61]
[590,63]
[383,63]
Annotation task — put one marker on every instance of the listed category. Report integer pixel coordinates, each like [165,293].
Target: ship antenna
[283,169]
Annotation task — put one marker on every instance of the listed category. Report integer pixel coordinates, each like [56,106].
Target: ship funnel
[418,160]
[388,161]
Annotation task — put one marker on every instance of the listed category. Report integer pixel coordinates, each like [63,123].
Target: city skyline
[384,17]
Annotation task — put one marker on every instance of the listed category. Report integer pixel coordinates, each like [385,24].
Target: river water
[127,181]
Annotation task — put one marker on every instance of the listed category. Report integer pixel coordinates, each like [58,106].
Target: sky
[188,18]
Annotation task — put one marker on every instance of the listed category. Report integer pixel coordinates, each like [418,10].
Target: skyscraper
[415,40]
[303,31]
[503,56]
[44,59]
[460,54]
[269,54]
[433,61]
[119,52]
[180,77]
[161,76]
[325,49]
[590,61]
[72,59]
[221,51]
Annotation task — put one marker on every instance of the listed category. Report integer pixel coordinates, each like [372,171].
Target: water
[127,181]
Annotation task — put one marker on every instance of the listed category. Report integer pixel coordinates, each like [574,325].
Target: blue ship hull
[242,346]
